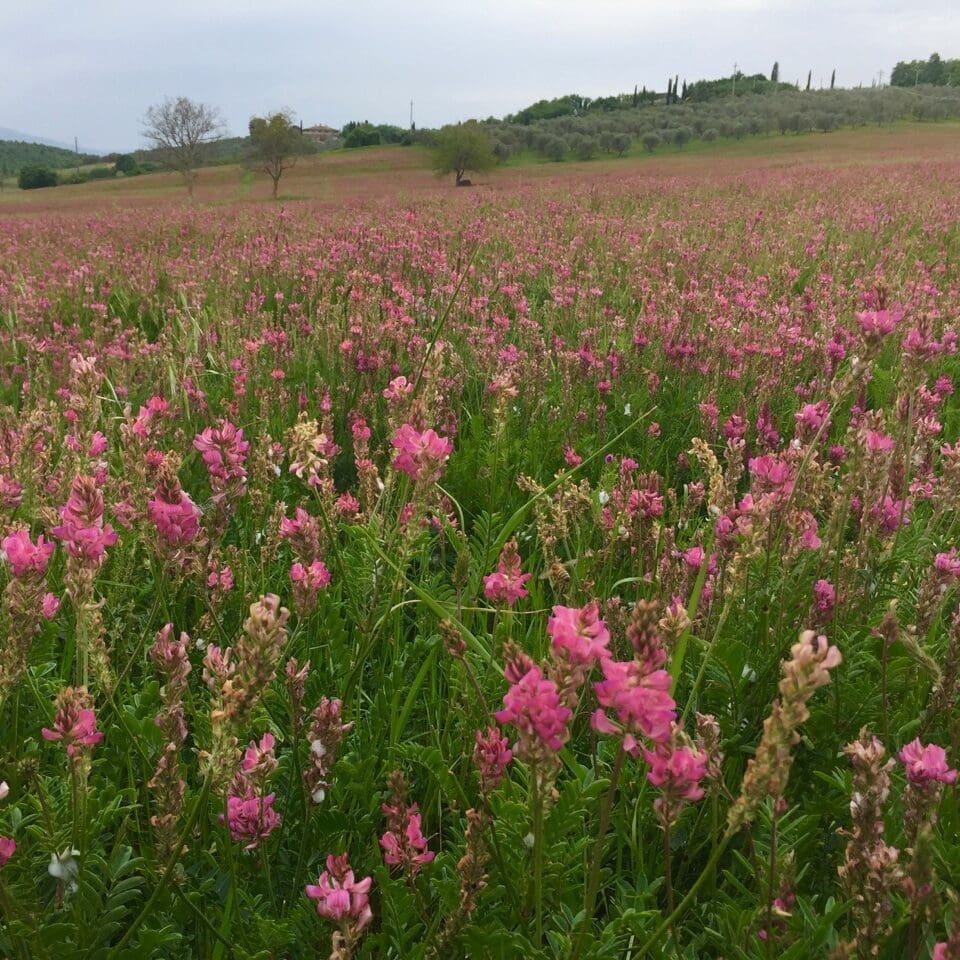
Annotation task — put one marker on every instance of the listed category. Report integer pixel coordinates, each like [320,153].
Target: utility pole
[734,91]
[411,114]
[76,150]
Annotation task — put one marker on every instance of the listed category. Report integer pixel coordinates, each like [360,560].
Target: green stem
[667,924]
[593,878]
[537,858]
[198,808]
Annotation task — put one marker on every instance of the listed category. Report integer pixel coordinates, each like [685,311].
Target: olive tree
[177,130]
[274,144]
[461,147]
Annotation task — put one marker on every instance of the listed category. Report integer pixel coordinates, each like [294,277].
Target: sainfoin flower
[421,455]
[926,764]
[82,530]
[251,818]
[578,634]
[177,522]
[8,846]
[491,754]
[506,584]
[405,843]
[75,723]
[340,896]
[533,706]
[639,700]
[224,451]
[677,770]
[24,556]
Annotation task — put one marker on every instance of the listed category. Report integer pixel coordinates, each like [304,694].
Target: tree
[775,72]
[682,136]
[651,141]
[833,78]
[178,130]
[34,176]
[274,143]
[126,164]
[461,147]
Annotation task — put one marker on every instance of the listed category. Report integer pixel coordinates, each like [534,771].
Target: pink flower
[925,764]
[83,531]
[177,523]
[578,634]
[224,451]
[258,758]
[8,846]
[251,818]
[398,388]
[877,442]
[50,605]
[533,706]
[824,595]
[404,842]
[506,584]
[948,563]
[316,576]
[74,722]
[876,324]
[340,896]
[640,700]
[491,755]
[421,455]
[23,555]
[678,772]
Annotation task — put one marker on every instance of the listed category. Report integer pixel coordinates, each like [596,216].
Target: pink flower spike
[50,606]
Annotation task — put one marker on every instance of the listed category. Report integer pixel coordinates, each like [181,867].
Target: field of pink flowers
[566,572]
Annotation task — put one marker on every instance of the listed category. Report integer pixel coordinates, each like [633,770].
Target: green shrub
[34,176]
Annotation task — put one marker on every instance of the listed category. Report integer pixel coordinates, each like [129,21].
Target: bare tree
[178,129]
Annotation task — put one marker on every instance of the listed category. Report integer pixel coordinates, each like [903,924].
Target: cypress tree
[775,72]
[809,78]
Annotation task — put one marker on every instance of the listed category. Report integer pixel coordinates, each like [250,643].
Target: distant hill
[7,133]
[15,154]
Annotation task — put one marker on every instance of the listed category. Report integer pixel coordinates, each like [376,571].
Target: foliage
[15,154]
[932,71]
[462,147]
[34,176]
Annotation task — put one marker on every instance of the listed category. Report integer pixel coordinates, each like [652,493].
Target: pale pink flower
[948,563]
[398,389]
[677,771]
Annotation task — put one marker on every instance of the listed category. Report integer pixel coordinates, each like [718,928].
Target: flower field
[563,571]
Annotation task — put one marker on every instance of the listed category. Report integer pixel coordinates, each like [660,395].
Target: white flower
[529,840]
[318,748]
[627,411]
[200,643]
[603,497]
[749,674]
[318,795]
[276,470]
[64,867]
[4,790]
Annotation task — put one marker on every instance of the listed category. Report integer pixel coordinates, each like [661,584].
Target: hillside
[15,154]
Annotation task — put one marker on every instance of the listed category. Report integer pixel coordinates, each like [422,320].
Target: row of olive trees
[180,130]
[785,112]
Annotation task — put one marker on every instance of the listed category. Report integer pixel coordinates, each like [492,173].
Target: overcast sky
[90,68]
